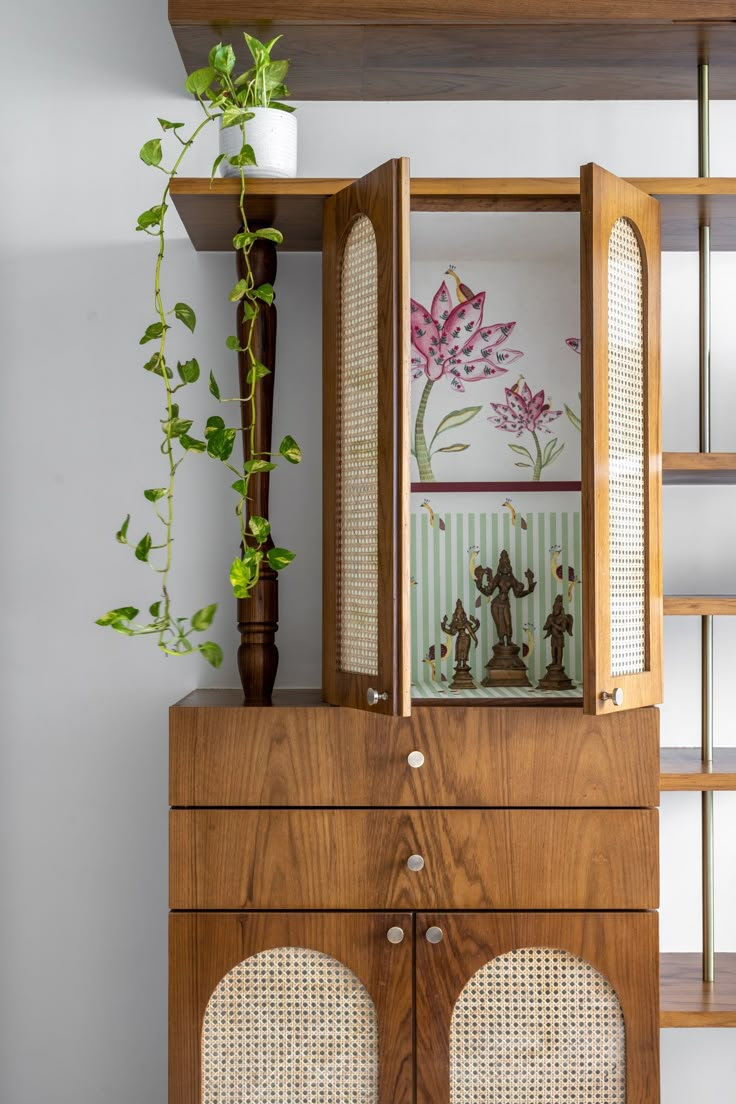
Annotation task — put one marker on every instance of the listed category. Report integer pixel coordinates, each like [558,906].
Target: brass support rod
[707,622]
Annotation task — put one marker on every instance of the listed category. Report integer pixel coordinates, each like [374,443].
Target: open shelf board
[699,605]
[499,50]
[698,468]
[211,217]
[685,1000]
[683,769]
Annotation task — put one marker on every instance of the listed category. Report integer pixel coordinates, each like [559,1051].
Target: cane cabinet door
[621,442]
[366,452]
[290,1008]
[549,1007]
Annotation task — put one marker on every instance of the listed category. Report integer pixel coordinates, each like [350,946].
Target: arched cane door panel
[290,1026]
[537,1026]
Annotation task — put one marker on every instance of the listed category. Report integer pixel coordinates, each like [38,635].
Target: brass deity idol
[465,629]
[505,667]
[557,624]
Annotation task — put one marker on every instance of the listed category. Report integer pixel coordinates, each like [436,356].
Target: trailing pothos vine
[225,99]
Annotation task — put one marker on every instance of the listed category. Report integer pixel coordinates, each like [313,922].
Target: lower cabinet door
[537,1008]
[290,1008]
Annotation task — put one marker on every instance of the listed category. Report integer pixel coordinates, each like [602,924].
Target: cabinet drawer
[320,755]
[357,859]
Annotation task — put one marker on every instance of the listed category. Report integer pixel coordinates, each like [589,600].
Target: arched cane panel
[290,1026]
[537,1026]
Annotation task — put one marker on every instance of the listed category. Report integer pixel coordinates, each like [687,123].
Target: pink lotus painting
[526,412]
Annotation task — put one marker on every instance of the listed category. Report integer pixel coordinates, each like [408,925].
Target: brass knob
[415,862]
[373,696]
[433,935]
[415,759]
[616,696]
[395,935]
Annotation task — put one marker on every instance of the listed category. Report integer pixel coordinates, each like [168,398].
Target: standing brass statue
[557,624]
[465,629]
[505,667]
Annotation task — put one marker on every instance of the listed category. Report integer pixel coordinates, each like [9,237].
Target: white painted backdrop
[83,742]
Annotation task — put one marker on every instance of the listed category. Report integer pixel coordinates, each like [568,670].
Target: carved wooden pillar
[258,615]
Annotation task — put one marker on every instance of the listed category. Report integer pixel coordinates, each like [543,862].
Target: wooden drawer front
[325,756]
[357,859]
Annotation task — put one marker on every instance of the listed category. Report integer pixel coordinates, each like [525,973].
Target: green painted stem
[421,451]
[538,462]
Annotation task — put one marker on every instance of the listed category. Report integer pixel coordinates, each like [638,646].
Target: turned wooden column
[258,615]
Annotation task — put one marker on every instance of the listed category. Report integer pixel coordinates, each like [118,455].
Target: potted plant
[225,99]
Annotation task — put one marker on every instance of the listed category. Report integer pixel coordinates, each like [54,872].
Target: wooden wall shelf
[686,1001]
[699,605]
[424,50]
[698,468]
[683,769]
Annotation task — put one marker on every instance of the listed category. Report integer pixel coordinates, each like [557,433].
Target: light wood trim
[622,947]
[698,468]
[203,948]
[356,859]
[383,196]
[687,1001]
[605,199]
[224,755]
[683,769]
[699,605]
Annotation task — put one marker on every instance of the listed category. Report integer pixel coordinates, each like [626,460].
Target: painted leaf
[441,304]
[573,343]
[506,356]
[495,335]
[425,337]
[573,417]
[457,418]
[453,448]
[464,319]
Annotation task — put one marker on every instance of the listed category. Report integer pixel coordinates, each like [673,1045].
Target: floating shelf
[699,605]
[498,50]
[683,769]
[294,206]
[698,468]
[687,1001]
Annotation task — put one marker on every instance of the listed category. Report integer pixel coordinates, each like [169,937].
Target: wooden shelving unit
[698,468]
[210,211]
[687,1001]
[683,769]
[699,605]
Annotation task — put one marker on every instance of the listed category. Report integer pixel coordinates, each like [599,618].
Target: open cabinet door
[365,634]
[622,451]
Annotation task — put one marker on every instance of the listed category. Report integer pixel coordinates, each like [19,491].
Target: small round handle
[374,696]
[395,935]
[415,862]
[433,935]
[616,696]
[415,759]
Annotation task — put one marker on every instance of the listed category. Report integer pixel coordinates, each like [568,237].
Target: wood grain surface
[203,948]
[621,947]
[683,769]
[357,859]
[699,605]
[687,1001]
[698,468]
[227,755]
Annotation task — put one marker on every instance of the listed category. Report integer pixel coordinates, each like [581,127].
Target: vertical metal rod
[706,648]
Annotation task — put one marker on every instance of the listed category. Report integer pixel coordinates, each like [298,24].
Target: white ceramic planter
[272,134]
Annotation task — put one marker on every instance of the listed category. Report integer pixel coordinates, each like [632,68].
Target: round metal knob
[395,935]
[415,862]
[415,759]
[373,696]
[433,935]
[617,696]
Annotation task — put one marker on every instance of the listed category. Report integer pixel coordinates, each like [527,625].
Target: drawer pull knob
[373,696]
[415,759]
[434,935]
[395,935]
[617,696]
[415,862]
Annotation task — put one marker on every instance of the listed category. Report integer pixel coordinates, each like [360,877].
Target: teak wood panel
[357,859]
[203,948]
[698,468]
[700,605]
[321,755]
[684,769]
[621,947]
[382,196]
[687,1001]
[604,200]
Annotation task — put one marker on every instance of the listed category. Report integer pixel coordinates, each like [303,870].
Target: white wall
[84,730]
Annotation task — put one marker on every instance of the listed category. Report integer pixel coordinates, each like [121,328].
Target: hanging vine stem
[226,99]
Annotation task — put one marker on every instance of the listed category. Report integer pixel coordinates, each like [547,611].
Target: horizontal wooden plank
[698,468]
[357,858]
[699,605]
[683,769]
[224,754]
[687,1001]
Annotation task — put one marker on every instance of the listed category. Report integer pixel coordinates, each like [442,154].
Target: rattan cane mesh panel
[290,1026]
[357,453]
[626,451]
[537,1026]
